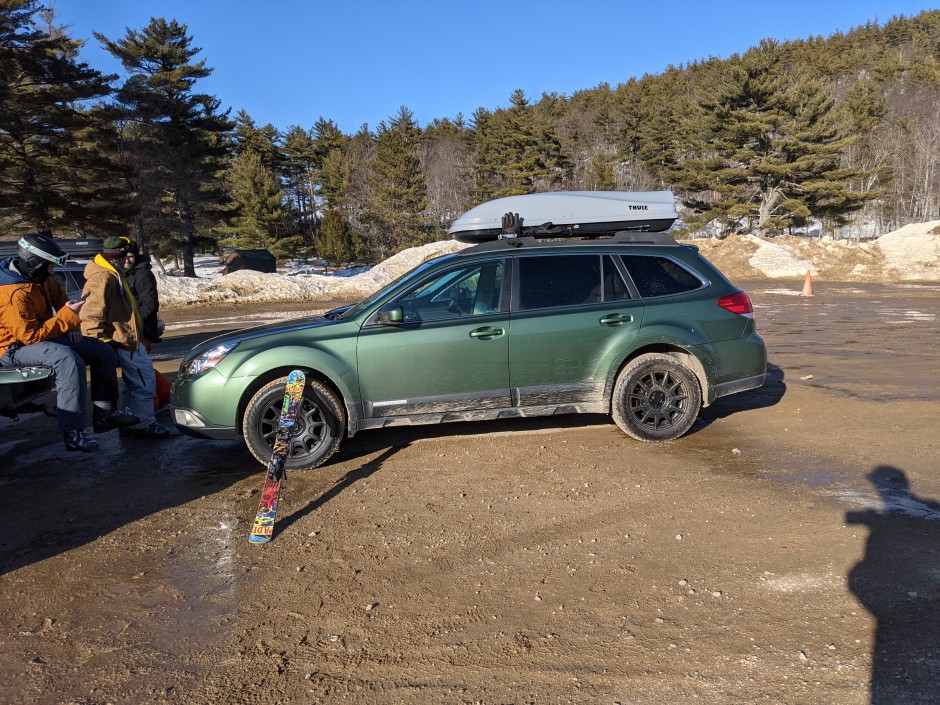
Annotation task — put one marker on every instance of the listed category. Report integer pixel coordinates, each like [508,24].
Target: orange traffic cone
[807,286]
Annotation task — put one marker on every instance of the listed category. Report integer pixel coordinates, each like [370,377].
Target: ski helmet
[36,252]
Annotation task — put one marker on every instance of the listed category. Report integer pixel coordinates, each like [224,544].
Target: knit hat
[116,246]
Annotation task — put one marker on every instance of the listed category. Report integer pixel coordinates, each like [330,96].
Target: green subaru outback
[570,302]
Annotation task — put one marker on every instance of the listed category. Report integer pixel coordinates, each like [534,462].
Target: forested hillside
[839,134]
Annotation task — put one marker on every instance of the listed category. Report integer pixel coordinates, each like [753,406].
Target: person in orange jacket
[40,326]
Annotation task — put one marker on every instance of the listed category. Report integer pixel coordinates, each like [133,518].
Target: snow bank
[257,287]
[909,254]
[913,252]
[777,262]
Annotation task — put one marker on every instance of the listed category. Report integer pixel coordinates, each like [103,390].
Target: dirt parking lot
[786,550]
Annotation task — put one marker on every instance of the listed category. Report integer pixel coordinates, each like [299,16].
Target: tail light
[739,303]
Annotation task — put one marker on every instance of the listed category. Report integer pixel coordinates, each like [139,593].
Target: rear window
[659,276]
[71,282]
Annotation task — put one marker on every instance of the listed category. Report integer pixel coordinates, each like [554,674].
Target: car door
[573,315]
[448,353]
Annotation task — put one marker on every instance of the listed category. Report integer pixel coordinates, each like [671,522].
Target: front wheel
[656,398]
[316,433]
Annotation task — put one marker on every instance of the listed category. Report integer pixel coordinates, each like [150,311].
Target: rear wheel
[656,398]
[316,434]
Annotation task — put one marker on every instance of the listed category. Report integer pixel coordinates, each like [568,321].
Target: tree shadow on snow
[898,581]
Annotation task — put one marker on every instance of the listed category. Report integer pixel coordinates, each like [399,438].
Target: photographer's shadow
[898,581]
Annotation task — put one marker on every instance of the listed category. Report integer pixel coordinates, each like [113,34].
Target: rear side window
[659,276]
[71,282]
[556,281]
[614,287]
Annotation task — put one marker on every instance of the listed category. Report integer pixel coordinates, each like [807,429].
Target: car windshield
[369,300]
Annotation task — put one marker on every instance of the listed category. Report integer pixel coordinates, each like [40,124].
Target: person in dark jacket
[138,271]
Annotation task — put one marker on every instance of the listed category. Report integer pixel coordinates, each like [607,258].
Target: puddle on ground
[883,338]
[858,492]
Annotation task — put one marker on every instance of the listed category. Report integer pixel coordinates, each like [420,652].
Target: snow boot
[154,430]
[104,420]
[78,441]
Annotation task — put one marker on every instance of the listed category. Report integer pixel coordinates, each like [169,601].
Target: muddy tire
[316,435]
[656,398]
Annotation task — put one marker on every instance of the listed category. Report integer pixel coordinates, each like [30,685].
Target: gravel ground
[786,550]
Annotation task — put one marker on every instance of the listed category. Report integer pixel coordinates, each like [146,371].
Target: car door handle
[486,332]
[616,319]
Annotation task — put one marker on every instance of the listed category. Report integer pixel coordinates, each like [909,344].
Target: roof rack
[623,237]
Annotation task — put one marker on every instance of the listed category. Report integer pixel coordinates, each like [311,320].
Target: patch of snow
[258,287]
[914,250]
[800,582]
[777,262]
[783,292]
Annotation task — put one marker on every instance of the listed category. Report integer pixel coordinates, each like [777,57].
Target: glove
[512,225]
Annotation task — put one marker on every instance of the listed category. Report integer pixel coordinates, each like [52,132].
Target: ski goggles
[59,260]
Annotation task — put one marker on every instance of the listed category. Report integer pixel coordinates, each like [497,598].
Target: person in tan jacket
[110,314]
[40,326]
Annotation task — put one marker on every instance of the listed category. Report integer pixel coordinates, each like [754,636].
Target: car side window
[559,280]
[457,293]
[615,289]
[659,276]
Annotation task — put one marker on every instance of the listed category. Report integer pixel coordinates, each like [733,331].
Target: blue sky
[354,62]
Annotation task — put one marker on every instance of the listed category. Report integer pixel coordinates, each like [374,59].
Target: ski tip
[255,538]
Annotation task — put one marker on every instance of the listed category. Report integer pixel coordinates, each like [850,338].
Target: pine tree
[178,136]
[600,175]
[397,189]
[259,218]
[58,168]
[335,178]
[336,242]
[772,142]
[326,137]
[483,173]
[261,140]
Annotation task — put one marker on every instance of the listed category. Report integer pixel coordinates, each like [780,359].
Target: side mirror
[390,315]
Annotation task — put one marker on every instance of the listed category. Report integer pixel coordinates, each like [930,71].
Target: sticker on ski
[263,528]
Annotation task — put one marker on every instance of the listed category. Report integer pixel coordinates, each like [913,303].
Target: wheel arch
[284,370]
[662,348]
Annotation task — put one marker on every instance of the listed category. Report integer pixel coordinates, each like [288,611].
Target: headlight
[208,359]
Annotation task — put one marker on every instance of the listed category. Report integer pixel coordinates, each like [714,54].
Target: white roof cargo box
[560,214]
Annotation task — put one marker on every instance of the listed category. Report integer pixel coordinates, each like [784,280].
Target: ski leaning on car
[263,528]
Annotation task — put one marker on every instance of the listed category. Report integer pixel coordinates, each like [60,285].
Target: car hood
[305,323]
